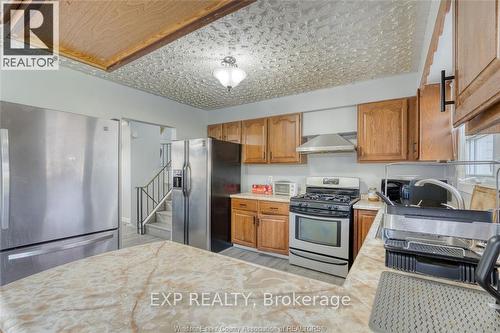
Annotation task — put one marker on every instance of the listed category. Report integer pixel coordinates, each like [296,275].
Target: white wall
[429,30]
[324,99]
[325,111]
[126,177]
[339,164]
[144,158]
[72,91]
[330,121]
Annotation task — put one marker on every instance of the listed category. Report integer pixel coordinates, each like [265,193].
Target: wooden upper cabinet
[254,139]
[285,135]
[413,129]
[215,131]
[436,141]
[476,57]
[383,131]
[232,132]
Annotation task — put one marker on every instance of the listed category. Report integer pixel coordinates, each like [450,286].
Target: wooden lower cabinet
[272,235]
[260,224]
[244,228]
[363,220]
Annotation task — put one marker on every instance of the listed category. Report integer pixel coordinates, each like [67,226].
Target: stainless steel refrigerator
[205,173]
[58,188]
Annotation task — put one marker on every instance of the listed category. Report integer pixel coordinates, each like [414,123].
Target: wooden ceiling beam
[193,26]
[110,34]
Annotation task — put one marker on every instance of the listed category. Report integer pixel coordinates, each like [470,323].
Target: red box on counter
[262,189]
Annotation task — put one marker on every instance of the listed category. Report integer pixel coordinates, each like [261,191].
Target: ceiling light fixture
[229,75]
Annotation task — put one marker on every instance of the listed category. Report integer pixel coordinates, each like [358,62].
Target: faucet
[453,190]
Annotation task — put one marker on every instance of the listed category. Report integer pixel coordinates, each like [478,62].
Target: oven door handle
[322,218]
[325,261]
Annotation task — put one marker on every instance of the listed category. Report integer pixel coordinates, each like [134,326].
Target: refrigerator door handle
[184,180]
[58,248]
[188,179]
[5,178]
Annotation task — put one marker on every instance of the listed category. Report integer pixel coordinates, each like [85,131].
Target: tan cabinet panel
[232,132]
[244,204]
[254,139]
[476,57]
[273,234]
[383,131]
[413,129]
[363,220]
[244,228]
[285,135]
[215,131]
[273,208]
[436,141]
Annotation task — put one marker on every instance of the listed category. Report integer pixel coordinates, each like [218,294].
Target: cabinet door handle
[243,205]
[254,218]
[273,208]
[442,90]
[271,155]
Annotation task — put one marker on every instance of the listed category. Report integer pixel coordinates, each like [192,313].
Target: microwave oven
[285,188]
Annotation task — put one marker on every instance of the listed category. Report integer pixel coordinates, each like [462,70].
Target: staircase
[161,227]
[154,207]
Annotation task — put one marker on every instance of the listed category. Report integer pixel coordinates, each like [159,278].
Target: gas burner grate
[325,197]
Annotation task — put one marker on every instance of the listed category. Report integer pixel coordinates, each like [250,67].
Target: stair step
[164,217]
[159,229]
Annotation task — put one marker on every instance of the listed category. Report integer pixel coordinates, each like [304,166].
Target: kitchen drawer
[244,204]
[273,208]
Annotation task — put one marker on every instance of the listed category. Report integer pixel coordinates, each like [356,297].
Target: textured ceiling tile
[286,47]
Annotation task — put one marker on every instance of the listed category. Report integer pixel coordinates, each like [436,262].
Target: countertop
[368,205]
[113,292]
[265,197]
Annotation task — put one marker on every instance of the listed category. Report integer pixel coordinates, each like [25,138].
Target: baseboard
[258,251]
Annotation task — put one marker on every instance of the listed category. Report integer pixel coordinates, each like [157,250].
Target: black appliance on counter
[404,192]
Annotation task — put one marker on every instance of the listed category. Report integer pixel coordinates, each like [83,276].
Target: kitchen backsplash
[340,164]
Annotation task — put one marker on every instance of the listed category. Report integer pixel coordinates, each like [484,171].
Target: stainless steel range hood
[328,143]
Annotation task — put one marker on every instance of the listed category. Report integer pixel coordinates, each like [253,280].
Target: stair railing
[155,192]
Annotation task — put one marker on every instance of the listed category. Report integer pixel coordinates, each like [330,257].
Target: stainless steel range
[321,223]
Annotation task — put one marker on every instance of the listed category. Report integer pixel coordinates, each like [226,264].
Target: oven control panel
[331,181]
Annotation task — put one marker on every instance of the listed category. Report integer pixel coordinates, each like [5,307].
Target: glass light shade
[229,77]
